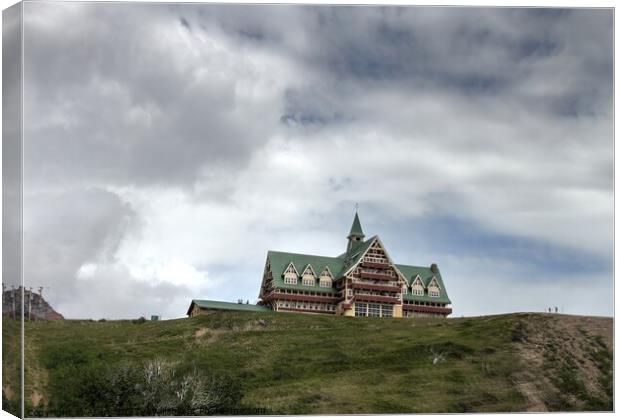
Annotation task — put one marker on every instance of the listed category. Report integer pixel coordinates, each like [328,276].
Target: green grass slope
[11,354]
[302,364]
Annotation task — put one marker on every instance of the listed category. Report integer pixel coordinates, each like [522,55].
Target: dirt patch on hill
[8,392]
[567,362]
[201,332]
[36,398]
[207,335]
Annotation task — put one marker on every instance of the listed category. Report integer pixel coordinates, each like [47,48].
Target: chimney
[434,268]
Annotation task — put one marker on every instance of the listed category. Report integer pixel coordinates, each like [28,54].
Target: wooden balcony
[374,298]
[370,264]
[428,309]
[301,298]
[377,287]
[314,311]
[377,276]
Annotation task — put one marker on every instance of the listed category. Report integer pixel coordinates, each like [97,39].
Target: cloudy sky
[168,147]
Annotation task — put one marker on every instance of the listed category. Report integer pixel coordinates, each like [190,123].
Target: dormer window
[417,288]
[290,274]
[308,278]
[405,289]
[433,288]
[325,280]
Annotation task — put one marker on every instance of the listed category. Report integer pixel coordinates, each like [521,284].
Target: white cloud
[86,271]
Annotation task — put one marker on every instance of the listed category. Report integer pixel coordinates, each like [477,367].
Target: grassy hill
[273,363]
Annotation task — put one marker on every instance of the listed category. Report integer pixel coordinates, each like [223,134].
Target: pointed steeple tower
[356,234]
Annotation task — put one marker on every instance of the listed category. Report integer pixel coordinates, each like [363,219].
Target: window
[308,278]
[387,311]
[433,288]
[325,281]
[404,291]
[417,288]
[326,278]
[374,310]
[290,274]
[349,293]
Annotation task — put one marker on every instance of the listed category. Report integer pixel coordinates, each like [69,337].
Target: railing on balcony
[375,298]
[318,311]
[378,287]
[374,264]
[428,309]
[377,276]
[303,298]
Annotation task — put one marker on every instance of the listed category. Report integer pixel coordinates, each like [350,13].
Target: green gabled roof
[426,275]
[281,260]
[351,257]
[227,306]
[356,227]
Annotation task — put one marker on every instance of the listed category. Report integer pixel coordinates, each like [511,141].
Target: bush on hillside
[165,390]
[157,387]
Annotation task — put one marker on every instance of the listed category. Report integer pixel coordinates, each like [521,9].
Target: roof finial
[357,206]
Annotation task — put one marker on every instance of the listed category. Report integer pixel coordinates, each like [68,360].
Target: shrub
[130,389]
[165,391]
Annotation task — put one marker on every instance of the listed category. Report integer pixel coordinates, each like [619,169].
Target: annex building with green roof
[363,281]
[201,307]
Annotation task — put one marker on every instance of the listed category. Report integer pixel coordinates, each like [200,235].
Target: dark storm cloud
[135,110]
[130,100]
[468,52]
[63,231]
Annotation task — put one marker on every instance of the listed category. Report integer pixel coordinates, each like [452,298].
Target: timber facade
[362,282]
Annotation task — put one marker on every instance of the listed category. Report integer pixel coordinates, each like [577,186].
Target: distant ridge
[35,308]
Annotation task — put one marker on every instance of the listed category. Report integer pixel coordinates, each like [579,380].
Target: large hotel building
[363,281]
